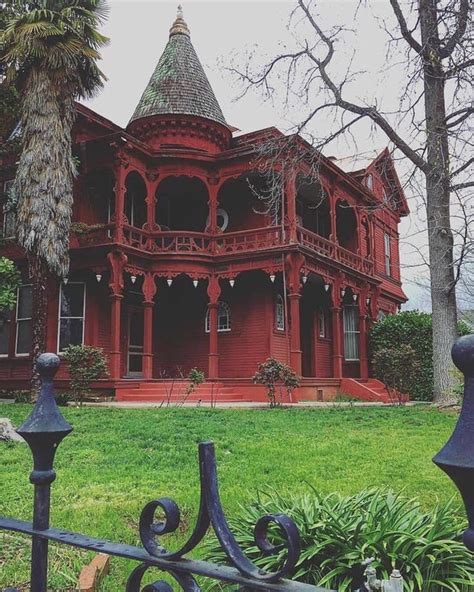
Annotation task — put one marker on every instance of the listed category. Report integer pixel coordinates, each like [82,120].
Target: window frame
[323,324]
[387,247]
[60,317]
[280,324]
[207,327]
[352,332]
[23,319]
[8,321]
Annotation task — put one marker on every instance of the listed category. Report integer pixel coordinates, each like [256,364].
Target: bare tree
[431,127]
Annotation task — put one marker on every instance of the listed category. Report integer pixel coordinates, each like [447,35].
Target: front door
[135,342]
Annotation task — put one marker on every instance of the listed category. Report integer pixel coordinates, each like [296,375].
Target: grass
[117,460]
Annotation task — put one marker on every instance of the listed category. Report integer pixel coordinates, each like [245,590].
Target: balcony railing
[244,241]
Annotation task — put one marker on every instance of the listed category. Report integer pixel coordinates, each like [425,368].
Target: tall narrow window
[279,313]
[23,320]
[323,323]
[9,215]
[388,254]
[351,333]
[71,315]
[4,333]
[223,318]
[369,181]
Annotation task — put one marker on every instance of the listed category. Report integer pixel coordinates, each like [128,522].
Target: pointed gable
[179,84]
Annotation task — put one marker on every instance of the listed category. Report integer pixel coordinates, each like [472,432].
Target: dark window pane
[23,338]
[135,363]
[70,333]
[24,302]
[4,335]
[72,300]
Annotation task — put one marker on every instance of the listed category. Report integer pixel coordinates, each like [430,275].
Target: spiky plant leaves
[338,532]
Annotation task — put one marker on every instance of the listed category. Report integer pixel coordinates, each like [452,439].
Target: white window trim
[357,333]
[279,302]
[387,246]
[207,327]
[59,314]
[21,355]
[322,325]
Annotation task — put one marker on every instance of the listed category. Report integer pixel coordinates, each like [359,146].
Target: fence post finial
[456,459]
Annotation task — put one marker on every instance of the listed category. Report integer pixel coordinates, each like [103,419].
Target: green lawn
[116,460]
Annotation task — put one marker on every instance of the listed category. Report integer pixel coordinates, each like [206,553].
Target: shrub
[273,373]
[86,363]
[9,281]
[398,368]
[411,328]
[339,532]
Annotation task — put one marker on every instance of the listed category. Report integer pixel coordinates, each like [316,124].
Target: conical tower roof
[179,84]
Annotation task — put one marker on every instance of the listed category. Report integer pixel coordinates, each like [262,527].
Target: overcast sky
[223,32]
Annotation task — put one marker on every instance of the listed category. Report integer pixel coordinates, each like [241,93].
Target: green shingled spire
[179,84]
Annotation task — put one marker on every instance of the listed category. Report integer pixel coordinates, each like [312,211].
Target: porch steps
[175,393]
[372,390]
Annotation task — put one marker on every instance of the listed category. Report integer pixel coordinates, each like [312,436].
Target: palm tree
[50,49]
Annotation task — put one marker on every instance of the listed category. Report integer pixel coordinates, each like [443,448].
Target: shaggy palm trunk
[440,237]
[43,184]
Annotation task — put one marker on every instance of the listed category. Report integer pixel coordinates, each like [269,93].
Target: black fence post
[456,459]
[43,431]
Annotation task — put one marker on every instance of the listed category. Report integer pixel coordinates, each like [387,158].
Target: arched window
[223,318]
[279,313]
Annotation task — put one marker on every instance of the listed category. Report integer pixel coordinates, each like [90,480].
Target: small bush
[398,368]
[273,373]
[21,396]
[412,328]
[62,399]
[86,363]
[339,532]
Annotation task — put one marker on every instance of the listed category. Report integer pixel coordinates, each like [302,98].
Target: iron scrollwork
[212,514]
[45,428]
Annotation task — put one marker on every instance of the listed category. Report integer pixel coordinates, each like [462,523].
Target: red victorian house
[175,265]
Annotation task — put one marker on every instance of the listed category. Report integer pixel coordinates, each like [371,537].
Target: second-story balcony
[221,244]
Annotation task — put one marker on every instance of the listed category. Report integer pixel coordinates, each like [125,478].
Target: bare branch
[407,34]
[447,45]
[466,165]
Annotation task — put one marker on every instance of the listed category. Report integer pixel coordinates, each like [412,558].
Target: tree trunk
[39,276]
[440,237]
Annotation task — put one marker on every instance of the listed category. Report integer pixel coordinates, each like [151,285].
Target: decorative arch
[239,203]
[182,204]
[346,226]
[135,196]
[312,206]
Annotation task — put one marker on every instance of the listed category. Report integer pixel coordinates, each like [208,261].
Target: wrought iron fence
[45,428]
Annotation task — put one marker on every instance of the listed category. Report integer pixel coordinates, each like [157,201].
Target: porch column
[213,291]
[115,357]
[332,216]
[295,336]
[290,197]
[213,190]
[117,261]
[149,291]
[120,171]
[336,342]
[150,200]
[364,364]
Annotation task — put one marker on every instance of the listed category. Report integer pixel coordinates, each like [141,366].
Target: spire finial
[179,25]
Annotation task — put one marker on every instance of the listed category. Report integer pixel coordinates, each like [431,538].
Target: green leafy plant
[398,368]
[339,532]
[411,328]
[86,363]
[62,399]
[273,374]
[9,282]
[195,378]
